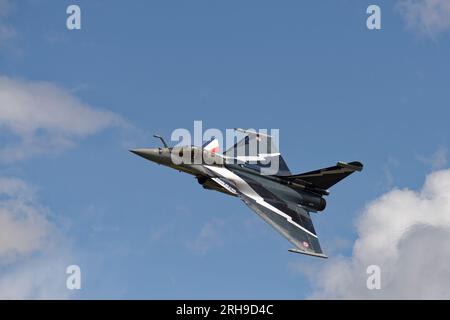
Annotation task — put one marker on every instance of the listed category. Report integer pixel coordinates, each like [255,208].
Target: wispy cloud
[22,226]
[6,31]
[388,169]
[407,234]
[33,254]
[43,117]
[210,236]
[437,160]
[427,17]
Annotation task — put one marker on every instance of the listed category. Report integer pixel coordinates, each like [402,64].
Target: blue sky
[336,91]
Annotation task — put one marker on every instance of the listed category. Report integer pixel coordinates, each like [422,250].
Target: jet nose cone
[139,152]
[149,154]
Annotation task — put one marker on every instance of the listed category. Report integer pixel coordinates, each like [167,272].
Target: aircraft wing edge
[320,255]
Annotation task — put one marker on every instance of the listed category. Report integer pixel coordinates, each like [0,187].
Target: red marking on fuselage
[215,149]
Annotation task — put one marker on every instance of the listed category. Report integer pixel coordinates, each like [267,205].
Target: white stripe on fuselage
[259,157]
[224,185]
[244,188]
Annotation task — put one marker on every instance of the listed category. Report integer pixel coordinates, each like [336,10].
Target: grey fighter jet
[247,171]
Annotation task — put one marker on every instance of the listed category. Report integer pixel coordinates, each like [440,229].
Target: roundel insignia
[215,150]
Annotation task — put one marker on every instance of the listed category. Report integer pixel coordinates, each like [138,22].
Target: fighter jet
[284,200]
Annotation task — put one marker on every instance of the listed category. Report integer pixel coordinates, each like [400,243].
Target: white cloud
[428,17]
[23,228]
[407,234]
[33,253]
[45,118]
[39,277]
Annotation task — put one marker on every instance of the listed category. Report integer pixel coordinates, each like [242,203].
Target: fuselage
[209,168]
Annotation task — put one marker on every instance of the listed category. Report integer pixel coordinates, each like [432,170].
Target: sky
[73,102]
